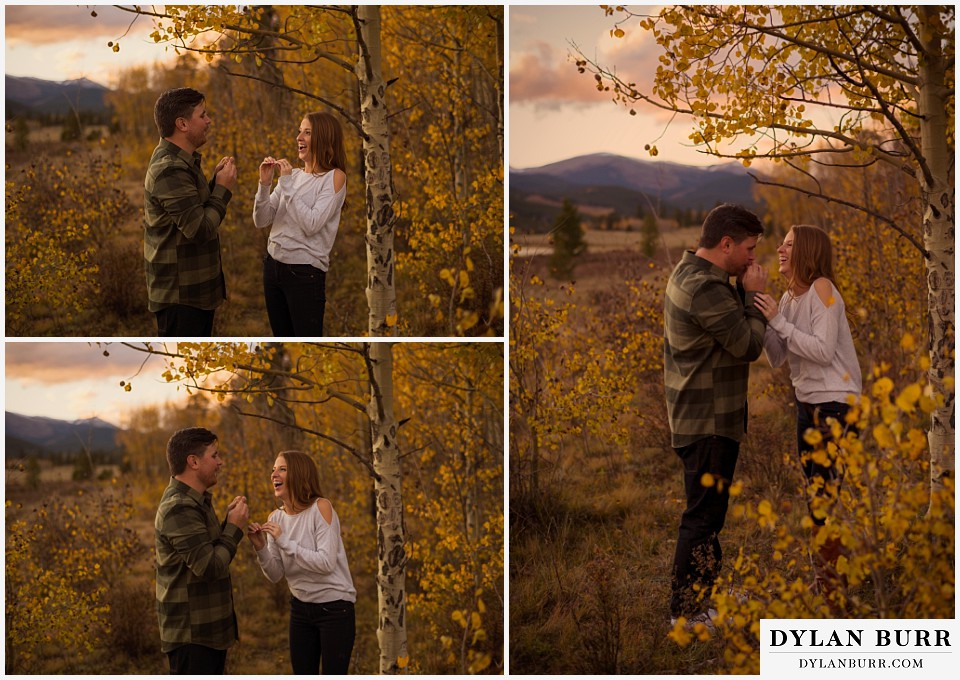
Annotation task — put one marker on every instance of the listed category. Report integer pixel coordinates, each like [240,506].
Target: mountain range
[49,437]
[35,96]
[619,183]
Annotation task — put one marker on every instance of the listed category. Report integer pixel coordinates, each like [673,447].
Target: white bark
[381,293]
[937,187]
[391,547]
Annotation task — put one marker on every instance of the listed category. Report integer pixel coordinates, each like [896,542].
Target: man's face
[739,256]
[197,126]
[208,465]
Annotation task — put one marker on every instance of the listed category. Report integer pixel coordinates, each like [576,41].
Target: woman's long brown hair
[303,479]
[326,142]
[811,258]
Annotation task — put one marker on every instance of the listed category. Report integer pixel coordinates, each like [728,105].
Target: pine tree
[568,241]
[651,234]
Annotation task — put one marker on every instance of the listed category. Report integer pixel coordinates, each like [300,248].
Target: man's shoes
[706,618]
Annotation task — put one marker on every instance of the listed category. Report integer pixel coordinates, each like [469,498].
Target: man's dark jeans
[183,321]
[197,660]
[295,295]
[698,557]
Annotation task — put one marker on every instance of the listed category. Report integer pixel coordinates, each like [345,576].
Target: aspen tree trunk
[381,293]
[937,189]
[499,85]
[391,549]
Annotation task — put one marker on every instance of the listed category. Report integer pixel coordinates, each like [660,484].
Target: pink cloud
[46,24]
[62,362]
[546,76]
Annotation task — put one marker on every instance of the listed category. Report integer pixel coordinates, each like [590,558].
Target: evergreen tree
[650,234]
[568,241]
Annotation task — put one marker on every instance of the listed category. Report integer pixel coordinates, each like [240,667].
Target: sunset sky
[554,112]
[73,380]
[557,113]
[65,42]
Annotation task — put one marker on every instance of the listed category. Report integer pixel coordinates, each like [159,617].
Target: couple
[712,331]
[183,214]
[300,541]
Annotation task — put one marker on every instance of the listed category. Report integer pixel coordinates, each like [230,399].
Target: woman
[301,541]
[304,212]
[810,330]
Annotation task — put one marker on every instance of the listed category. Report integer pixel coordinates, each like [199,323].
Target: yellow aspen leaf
[812,436]
[884,436]
[402,661]
[908,343]
[707,480]
[882,387]
[908,398]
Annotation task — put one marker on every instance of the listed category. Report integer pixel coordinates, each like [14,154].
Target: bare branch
[342,111]
[850,204]
[306,430]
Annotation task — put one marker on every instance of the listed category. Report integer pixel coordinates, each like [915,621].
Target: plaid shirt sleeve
[187,532]
[737,328]
[197,216]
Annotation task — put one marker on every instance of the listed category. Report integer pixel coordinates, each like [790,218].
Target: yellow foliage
[896,534]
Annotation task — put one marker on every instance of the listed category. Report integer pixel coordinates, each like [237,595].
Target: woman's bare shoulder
[326,509]
[824,290]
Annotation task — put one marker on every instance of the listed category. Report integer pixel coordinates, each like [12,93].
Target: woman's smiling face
[279,479]
[784,254]
[303,142]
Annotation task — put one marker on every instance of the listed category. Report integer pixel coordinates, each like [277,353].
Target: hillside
[37,97]
[52,438]
[608,182]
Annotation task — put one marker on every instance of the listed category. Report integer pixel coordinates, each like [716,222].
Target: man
[194,551]
[182,214]
[712,331]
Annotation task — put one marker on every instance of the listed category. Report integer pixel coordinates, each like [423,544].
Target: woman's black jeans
[321,632]
[296,297]
[814,416]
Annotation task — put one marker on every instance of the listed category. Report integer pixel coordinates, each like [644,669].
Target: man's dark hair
[190,441]
[173,104]
[729,220]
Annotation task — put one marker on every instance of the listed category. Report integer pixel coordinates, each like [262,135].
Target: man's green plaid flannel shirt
[194,551]
[710,337]
[181,243]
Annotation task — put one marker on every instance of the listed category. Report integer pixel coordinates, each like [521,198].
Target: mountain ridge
[53,436]
[25,95]
[623,185]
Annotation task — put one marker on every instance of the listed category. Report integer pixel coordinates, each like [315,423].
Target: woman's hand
[266,170]
[285,167]
[767,305]
[255,532]
[272,528]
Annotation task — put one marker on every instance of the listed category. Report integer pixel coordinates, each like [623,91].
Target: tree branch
[850,204]
[339,109]
[306,430]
